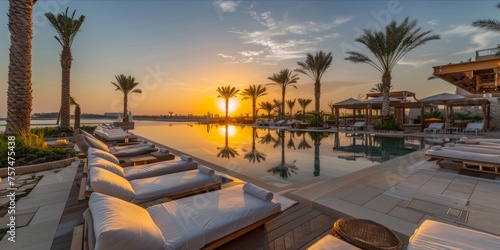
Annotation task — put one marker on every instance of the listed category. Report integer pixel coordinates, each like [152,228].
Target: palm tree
[254,155]
[78,111]
[285,78]
[277,106]
[331,105]
[315,67]
[227,151]
[303,104]
[291,104]
[489,24]
[268,107]
[379,88]
[303,143]
[389,47]
[66,28]
[227,93]
[254,92]
[316,137]
[126,84]
[19,97]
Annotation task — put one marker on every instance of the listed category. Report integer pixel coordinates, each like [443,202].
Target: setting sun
[231,131]
[233,105]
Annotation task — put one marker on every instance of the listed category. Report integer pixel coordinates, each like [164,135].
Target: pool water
[278,157]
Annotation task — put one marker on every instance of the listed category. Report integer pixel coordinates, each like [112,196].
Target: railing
[486,53]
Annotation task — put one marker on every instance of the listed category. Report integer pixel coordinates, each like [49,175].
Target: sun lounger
[488,141]
[106,161]
[472,148]
[434,127]
[329,242]
[115,134]
[86,142]
[488,163]
[171,186]
[356,126]
[474,127]
[437,235]
[202,221]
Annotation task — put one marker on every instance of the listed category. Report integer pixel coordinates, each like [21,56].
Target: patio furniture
[172,186]
[85,142]
[434,127]
[474,127]
[366,234]
[357,126]
[182,224]
[437,235]
[488,163]
[329,242]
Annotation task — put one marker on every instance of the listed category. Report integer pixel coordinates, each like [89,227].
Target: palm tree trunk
[317,93]
[386,109]
[19,92]
[253,109]
[227,109]
[304,114]
[125,104]
[78,113]
[316,159]
[283,90]
[66,59]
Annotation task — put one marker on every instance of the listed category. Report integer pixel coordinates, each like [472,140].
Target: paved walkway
[43,209]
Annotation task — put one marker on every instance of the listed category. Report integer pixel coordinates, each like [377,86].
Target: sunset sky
[181,51]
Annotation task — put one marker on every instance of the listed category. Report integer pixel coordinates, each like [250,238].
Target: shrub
[316,121]
[387,125]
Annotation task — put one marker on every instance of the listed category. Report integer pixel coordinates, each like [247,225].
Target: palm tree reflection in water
[226,151]
[254,155]
[284,169]
[316,137]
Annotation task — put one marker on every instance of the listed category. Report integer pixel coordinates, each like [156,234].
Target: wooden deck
[296,228]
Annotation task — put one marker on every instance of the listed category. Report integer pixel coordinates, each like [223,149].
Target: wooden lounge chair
[85,142]
[487,163]
[111,223]
[437,235]
[434,127]
[172,186]
[357,126]
[474,127]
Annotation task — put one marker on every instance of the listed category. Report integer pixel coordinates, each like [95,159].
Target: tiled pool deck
[399,194]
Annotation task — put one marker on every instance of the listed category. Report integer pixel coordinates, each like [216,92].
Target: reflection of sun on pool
[231,131]
[233,105]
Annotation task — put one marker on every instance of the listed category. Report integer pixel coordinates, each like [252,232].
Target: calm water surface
[278,157]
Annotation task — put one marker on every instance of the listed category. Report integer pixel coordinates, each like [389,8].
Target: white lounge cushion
[103,163]
[464,156]
[158,168]
[258,192]
[94,143]
[330,242]
[192,222]
[121,225]
[437,235]
[94,152]
[205,170]
[106,182]
[149,189]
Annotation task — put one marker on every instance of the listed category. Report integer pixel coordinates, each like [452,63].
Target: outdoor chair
[357,126]
[434,127]
[438,235]
[172,186]
[85,142]
[487,163]
[224,215]
[101,159]
[474,127]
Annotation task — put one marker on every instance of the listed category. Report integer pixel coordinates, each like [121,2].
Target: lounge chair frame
[478,166]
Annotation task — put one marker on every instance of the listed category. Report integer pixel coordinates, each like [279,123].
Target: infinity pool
[278,157]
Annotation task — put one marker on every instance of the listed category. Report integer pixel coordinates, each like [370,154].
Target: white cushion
[122,225]
[103,154]
[102,163]
[105,182]
[94,143]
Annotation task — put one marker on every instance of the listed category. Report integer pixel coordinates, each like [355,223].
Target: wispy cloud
[226,5]
[433,22]
[226,56]
[284,39]
[460,30]
[480,41]
[416,63]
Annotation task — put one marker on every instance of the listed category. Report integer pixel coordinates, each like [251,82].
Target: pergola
[476,77]
[402,95]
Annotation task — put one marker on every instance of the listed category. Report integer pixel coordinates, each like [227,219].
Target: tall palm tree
[379,88]
[227,93]
[126,84]
[291,104]
[254,92]
[314,67]
[489,24]
[303,104]
[268,107]
[66,28]
[19,97]
[388,47]
[285,78]
[277,106]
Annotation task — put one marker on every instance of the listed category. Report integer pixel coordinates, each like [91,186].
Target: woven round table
[366,234]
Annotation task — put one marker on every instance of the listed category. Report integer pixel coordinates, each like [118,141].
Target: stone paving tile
[382,203]
[406,214]
[49,212]
[458,185]
[421,177]
[43,199]
[362,195]
[436,185]
[21,220]
[487,186]
[455,194]
[33,236]
[485,199]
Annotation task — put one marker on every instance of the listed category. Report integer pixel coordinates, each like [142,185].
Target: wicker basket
[366,234]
